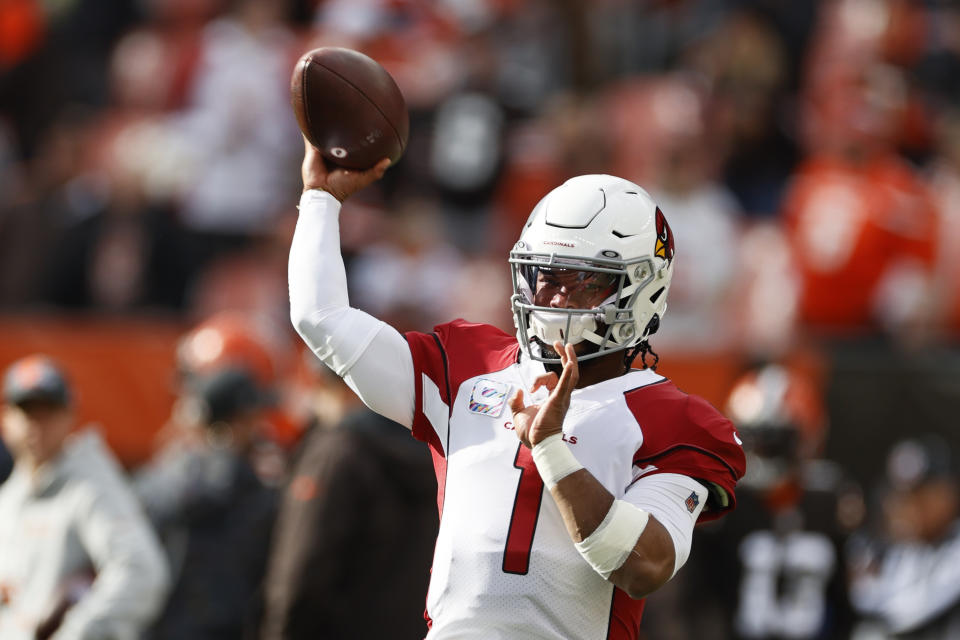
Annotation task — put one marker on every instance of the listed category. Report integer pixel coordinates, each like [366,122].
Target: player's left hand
[537,422]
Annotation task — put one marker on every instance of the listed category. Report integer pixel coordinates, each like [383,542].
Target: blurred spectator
[57,57]
[358,493]
[213,512]
[250,282]
[663,140]
[569,137]
[465,161]
[776,570]
[231,339]
[860,221]
[747,64]
[389,277]
[769,292]
[907,579]
[237,131]
[51,196]
[945,185]
[248,341]
[483,283]
[79,559]
[649,37]
[117,248]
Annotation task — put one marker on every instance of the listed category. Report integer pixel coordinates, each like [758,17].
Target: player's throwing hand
[537,422]
[340,183]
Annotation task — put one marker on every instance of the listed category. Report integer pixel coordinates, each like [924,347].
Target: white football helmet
[594,263]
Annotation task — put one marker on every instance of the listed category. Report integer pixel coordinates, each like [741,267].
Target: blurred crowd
[806,154]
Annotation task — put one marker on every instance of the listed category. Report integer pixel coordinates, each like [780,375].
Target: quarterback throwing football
[569,482]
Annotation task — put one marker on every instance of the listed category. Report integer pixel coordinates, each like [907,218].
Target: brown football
[349,107]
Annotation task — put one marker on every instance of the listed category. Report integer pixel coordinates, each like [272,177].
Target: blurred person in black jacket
[212,510]
[358,493]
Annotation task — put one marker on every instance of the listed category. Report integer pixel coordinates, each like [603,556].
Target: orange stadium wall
[121,372]
[123,377]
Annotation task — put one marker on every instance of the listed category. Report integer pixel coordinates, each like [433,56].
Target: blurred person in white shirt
[663,138]
[79,558]
[237,132]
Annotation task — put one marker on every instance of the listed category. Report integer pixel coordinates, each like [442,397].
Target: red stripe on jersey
[684,434]
[625,614]
[430,360]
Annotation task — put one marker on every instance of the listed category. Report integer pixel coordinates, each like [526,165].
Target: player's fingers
[381,167]
[308,149]
[574,365]
[516,401]
[558,348]
[571,372]
[548,380]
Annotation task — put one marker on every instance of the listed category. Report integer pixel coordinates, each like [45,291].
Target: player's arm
[371,356]
[638,548]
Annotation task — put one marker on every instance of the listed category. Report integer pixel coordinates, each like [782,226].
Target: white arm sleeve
[667,497]
[371,356]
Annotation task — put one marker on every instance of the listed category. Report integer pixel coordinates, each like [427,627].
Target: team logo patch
[664,247]
[488,397]
[693,500]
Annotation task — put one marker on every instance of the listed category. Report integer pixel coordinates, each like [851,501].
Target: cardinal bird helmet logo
[664,247]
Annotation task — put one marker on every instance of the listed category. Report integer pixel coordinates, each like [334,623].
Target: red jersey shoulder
[460,350]
[685,434]
[454,352]
[473,349]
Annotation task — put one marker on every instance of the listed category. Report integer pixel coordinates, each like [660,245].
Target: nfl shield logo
[692,501]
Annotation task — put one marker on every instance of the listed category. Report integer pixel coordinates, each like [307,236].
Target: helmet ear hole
[653,325]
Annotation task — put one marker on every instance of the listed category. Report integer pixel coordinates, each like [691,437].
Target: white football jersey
[504,564]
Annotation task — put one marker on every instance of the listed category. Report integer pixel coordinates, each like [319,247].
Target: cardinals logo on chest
[664,246]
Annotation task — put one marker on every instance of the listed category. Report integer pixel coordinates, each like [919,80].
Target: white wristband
[554,460]
[607,548]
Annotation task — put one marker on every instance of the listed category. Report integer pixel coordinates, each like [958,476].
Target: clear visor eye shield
[565,298]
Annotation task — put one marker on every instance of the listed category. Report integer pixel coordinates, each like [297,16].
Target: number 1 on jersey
[526,511]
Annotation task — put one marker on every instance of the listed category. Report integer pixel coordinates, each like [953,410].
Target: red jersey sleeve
[442,361]
[685,434]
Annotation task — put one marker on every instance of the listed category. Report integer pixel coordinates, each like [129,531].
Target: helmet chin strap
[595,338]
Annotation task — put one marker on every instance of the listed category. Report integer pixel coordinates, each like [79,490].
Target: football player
[569,483]
[777,570]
